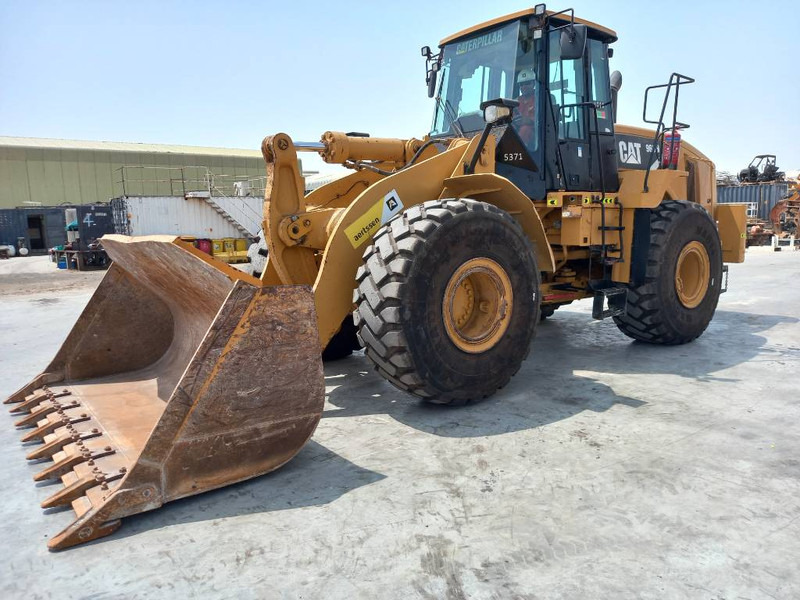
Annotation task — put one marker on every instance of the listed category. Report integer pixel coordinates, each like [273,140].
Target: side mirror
[573,41]
[431,84]
[430,78]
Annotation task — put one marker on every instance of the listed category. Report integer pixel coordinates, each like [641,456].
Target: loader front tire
[448,300]
[683,278]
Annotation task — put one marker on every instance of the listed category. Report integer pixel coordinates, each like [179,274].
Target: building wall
[39,171]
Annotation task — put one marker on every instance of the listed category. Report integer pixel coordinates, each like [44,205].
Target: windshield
[474,70]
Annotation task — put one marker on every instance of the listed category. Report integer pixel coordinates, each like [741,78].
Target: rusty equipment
[438,255]
[145,402]
[785,215]
[783,220]
[758,233]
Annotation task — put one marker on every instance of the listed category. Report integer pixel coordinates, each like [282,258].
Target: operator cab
[561,136]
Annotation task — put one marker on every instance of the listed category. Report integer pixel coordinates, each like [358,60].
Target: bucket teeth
[41,412]
[31,403]
[27,405]
[37,415]
[71,492]
[51,425]
[73,458]
[63,466]
[43,430]
[56,445]
[78,488]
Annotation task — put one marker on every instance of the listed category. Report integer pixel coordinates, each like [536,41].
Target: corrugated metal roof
[24,142]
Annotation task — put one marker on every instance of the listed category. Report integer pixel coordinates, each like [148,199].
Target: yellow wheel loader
[438,255]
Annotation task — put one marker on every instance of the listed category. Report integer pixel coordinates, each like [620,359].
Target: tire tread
[645,319]
[379,291]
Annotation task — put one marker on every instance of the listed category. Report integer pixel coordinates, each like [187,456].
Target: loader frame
[310,237]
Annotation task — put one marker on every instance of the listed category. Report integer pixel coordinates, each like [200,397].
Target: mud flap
[182,375]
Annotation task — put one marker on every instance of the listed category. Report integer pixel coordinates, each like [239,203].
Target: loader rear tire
[448,300]
[683,279]
[343,343]
[547,311]
[257,252]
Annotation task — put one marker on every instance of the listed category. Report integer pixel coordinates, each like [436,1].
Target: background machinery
[761,169]
[785,215]
[439,255]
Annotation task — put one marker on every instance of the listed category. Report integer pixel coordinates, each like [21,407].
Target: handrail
[675,81]
[180,180]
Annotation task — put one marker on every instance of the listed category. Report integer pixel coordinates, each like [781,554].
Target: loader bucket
[182,375]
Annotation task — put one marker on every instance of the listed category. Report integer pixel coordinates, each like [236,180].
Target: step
[614,298]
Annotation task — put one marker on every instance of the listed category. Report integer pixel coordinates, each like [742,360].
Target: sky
[229,73]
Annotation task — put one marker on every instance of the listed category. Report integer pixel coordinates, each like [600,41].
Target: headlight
[494,113]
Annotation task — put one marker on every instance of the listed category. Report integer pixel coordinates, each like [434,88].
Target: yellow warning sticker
[607,200]
[367,225]
[554,201]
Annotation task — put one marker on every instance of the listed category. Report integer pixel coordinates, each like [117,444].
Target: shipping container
[94,221]
[37,228]
[763,195]
[43,227]
[175,215]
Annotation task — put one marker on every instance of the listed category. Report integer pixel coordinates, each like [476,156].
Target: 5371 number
[512,156]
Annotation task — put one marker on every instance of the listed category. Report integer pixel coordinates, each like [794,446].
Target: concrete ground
[606,469]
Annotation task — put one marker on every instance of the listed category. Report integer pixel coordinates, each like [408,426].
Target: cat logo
[630,152]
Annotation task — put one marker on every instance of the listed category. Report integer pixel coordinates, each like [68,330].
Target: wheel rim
[477,305]
[692,274]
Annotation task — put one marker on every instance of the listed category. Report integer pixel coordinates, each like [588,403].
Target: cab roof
[603,33]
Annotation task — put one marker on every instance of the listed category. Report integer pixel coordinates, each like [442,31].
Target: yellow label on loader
[365,226]
[554,201]
[606,200]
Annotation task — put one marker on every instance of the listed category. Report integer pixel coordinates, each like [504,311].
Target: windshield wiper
[451,115]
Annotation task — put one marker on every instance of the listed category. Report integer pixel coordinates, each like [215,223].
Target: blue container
[763,195]
[62,262]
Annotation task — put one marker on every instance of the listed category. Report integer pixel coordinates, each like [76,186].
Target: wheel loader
[438,255]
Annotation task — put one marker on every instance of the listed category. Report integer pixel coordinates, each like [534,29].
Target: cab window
[567,89]
[486,83]
[601,92]
[474,70]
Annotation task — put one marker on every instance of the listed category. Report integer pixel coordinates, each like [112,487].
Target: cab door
[580,129]
[566,82]
[601,130]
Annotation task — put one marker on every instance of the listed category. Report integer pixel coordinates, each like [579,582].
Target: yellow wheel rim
[477,305]
[692,274]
